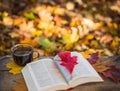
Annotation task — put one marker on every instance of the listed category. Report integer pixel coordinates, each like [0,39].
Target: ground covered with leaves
[52,27]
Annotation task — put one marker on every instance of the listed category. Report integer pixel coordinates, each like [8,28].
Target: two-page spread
[48,74]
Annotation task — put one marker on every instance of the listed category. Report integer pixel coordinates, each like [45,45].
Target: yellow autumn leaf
[37,33]
[115,25]
[109,24]
[33,42]
[68,46]
[7,21]
[70,6]
[115,42]
[59,11]
[14,68]
[87,53]
[69,38]
[115,8]
[45,15]
[18,21]
[75,21]
[46,25]
[89,37]
[14,34]
[107,52]
[74,35]
[98,25]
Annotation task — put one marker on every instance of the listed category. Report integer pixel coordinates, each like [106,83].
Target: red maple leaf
[67,61]
[113,73]
[93,58]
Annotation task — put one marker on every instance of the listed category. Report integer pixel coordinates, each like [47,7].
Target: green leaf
[0,15]
[47,45]
[29,15]
[113,32]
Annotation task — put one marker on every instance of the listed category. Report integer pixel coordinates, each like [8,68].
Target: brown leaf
[106,38]
[101,66]
[21,86]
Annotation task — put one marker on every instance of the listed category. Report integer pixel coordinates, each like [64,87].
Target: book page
[82,70]
[46,74]
[30,83]
[63,70]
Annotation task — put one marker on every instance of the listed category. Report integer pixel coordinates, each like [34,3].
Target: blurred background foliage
[52,26]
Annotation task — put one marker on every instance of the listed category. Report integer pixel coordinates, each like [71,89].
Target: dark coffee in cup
[22,54]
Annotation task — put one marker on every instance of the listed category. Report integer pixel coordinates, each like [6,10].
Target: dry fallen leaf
[101,66]
[98,64]
[8,21]
[106,38]
[14,68]
[113,73]
[31,41]
[70,6]
[87,53]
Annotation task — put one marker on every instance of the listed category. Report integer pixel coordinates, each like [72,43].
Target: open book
[48,75]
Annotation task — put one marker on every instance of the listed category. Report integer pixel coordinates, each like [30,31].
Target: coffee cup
[23,54]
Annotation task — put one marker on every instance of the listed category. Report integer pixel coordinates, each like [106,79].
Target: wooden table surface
[7,80]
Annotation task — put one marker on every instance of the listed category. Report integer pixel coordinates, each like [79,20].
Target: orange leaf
[101,66]
[33,42]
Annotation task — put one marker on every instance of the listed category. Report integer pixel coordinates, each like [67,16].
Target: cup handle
[37,55]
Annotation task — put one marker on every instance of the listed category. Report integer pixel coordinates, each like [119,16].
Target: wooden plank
[7,80]
[3,63]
